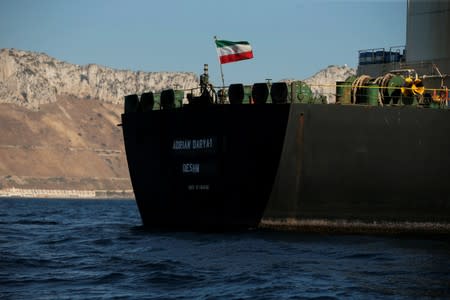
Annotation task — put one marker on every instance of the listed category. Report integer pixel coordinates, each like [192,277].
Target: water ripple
[98,250]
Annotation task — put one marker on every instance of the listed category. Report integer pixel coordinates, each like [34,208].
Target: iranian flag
[233,51]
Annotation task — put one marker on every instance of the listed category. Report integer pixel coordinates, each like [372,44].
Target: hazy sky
[290,38]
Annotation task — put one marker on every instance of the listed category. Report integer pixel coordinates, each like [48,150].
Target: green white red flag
[229,51]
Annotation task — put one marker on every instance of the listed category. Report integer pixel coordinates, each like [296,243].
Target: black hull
[204,167]
[372,164]
[288,161]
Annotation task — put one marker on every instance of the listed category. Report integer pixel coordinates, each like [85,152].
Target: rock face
[53,136]
[31,79]
[71,144]
[58,121]
[324,81]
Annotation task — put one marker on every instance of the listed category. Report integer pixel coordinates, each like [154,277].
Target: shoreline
[65,194]
[67,199]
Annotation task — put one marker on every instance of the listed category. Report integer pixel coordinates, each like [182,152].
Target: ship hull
[364,163]
[300,161]
[204,167]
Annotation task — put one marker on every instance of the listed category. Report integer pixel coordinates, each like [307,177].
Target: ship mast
[222,90]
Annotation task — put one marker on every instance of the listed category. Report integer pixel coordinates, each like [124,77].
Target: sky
[290,38]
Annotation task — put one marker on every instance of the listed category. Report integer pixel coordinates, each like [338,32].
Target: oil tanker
[380,154]
[252,155]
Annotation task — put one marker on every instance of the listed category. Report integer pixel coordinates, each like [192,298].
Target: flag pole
[222,93]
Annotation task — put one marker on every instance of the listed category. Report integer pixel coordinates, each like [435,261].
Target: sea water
[97,249]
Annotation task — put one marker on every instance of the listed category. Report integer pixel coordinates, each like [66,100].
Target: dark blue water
[89,249]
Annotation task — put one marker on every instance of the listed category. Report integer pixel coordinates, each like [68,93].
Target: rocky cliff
[31,79]
[324,81]
[71,144]
[58,120]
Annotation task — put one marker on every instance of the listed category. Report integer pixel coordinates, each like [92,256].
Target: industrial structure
[427,49]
